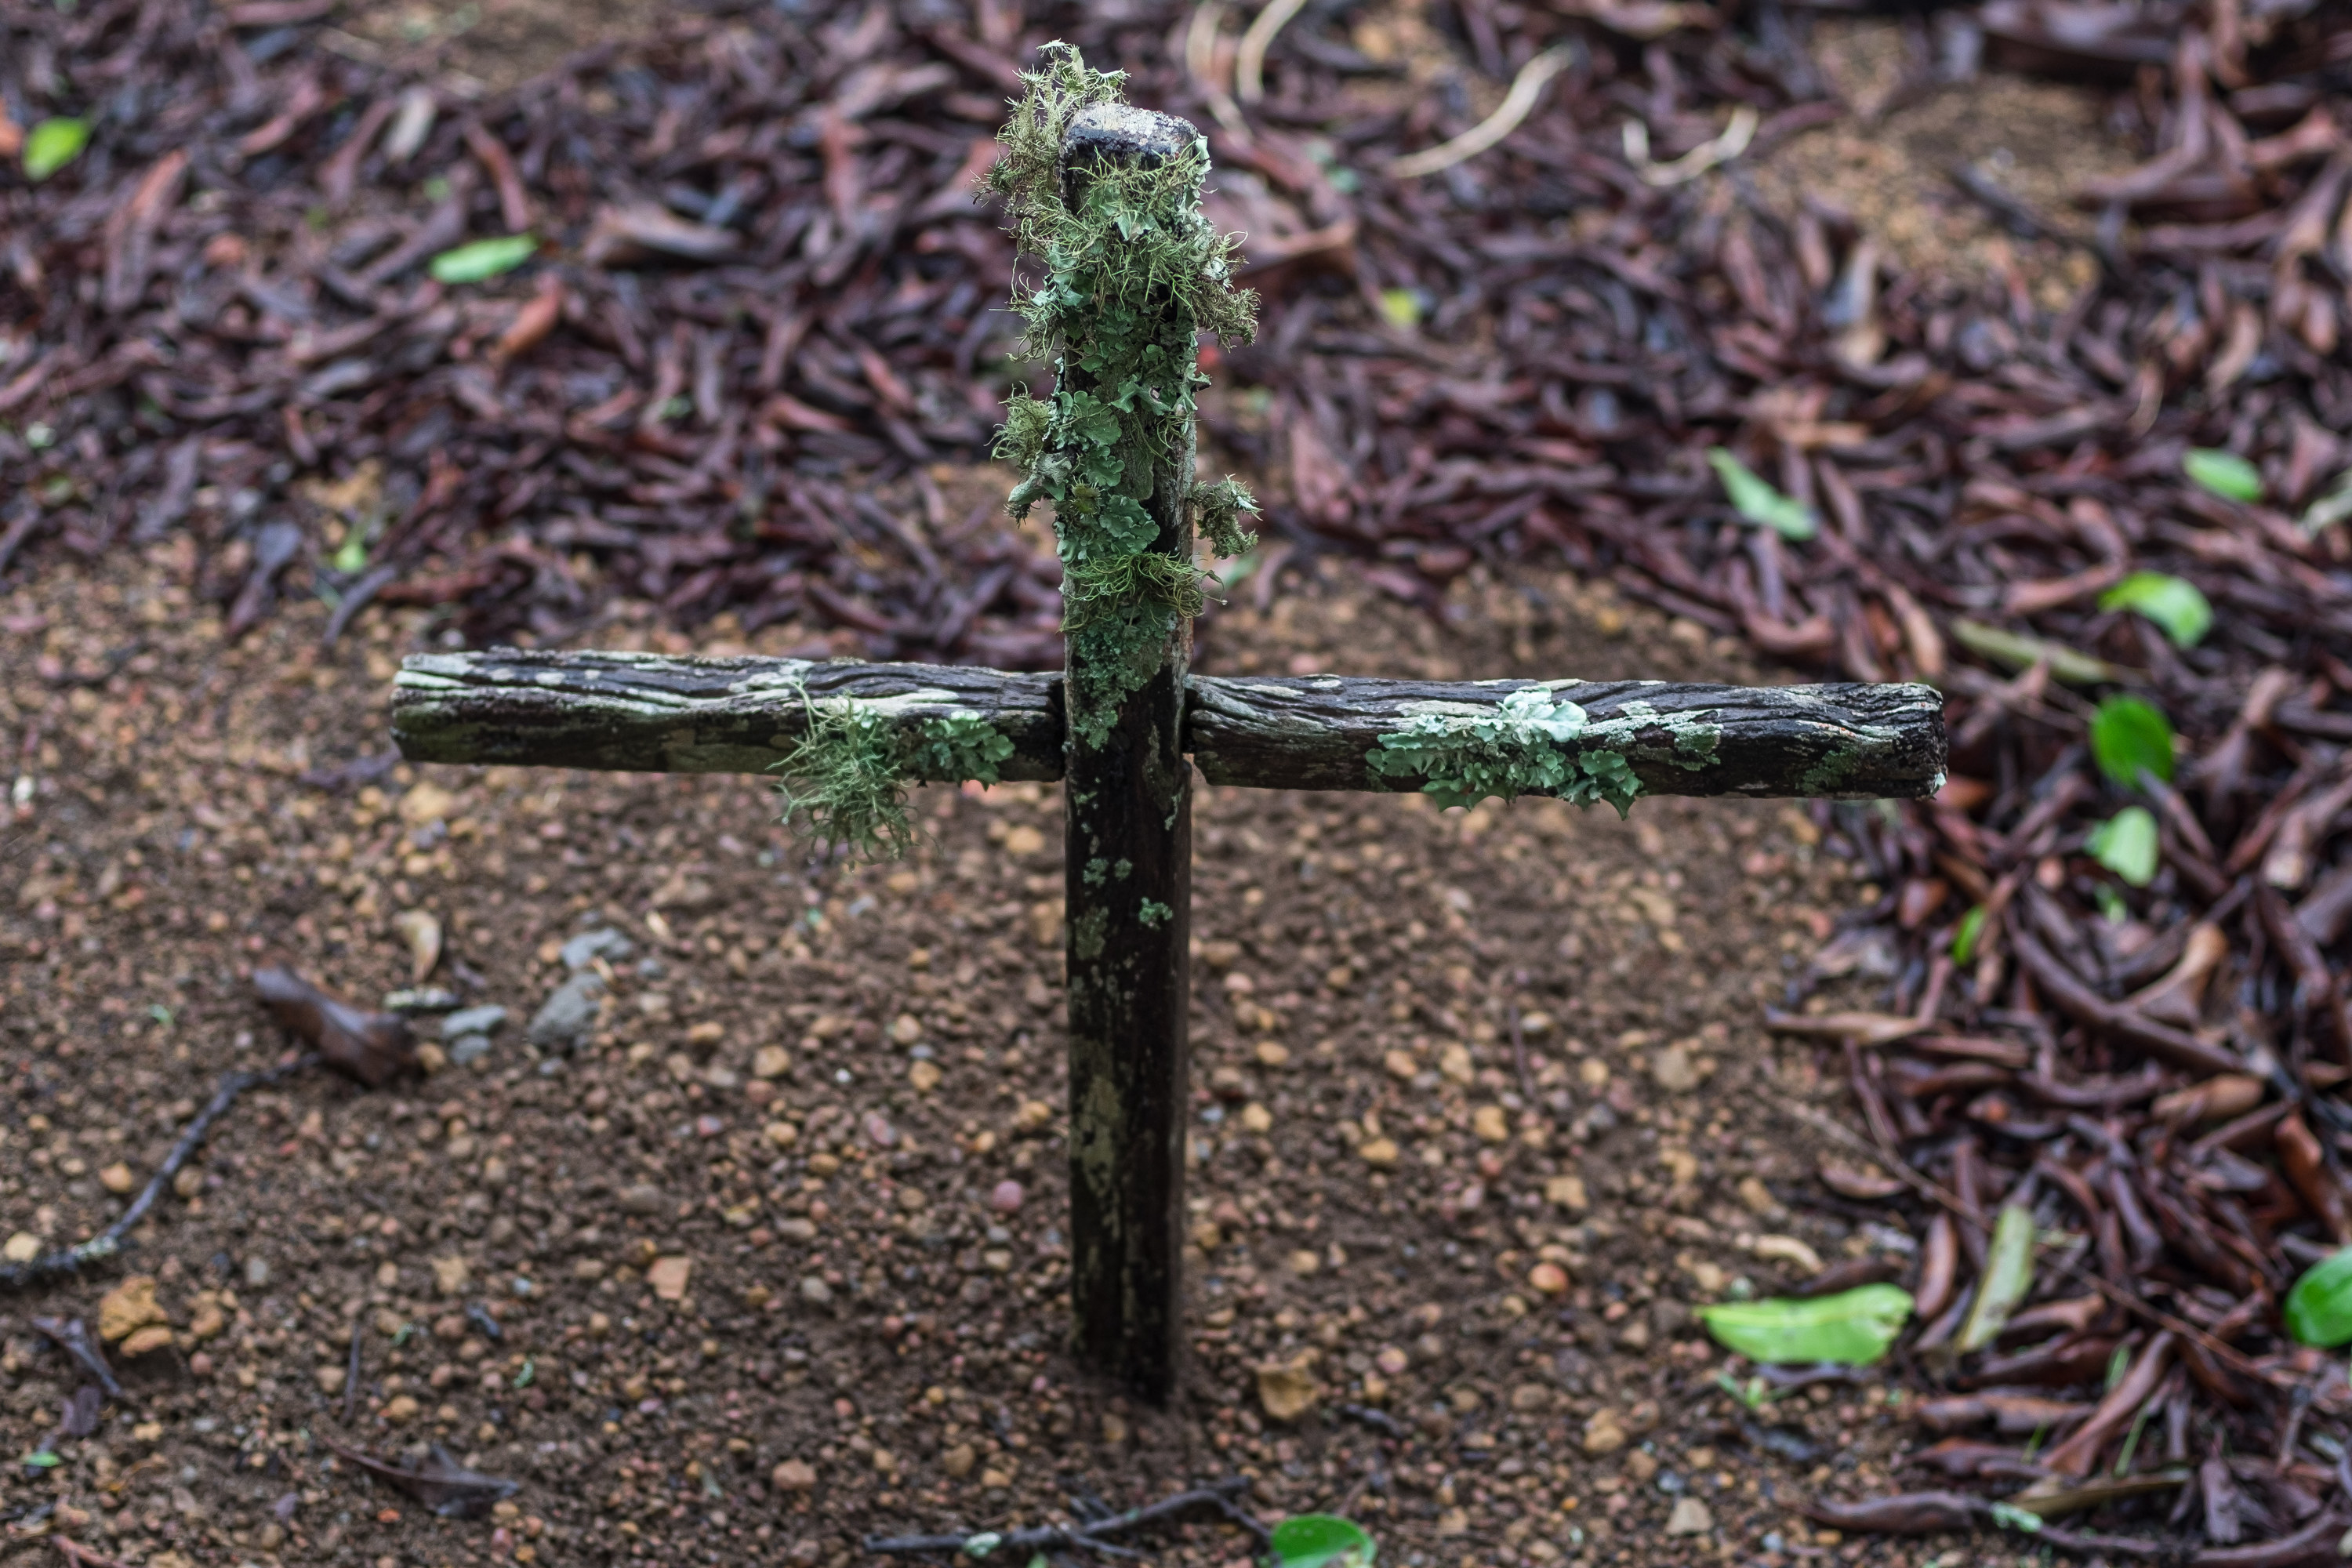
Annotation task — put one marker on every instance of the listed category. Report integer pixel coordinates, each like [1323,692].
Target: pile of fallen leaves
[281,302]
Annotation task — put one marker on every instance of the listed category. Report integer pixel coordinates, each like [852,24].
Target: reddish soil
[1377,1179]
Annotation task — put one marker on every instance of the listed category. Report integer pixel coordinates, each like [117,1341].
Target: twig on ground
[1516,106]
[1221,1496]
[1249,64]
[72,1336]
[1736,135]
[77,1554]
[107,1242]
[1201,65]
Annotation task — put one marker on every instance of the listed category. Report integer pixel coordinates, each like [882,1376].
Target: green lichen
[1220,507]
[1530,744]
[845,780]
[1845,757]
[1153,914]
[1695,739]
[1134,275]
[958,747]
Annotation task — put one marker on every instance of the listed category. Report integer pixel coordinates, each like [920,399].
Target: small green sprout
[52,144]
[1758,503]
[2128,734]
[2225,474]
[2126,844]
[481,259]
[1321,1541]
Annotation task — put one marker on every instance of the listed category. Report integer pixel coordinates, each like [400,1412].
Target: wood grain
[646,713]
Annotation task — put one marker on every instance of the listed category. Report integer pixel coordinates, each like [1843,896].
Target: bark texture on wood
[647,712]
[655,713]
[1314,731]
[1127,817]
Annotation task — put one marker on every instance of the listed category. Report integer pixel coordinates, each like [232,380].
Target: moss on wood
[1133,275]
[845,780]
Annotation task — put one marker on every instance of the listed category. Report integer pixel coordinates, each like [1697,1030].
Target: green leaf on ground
[2226,474]
[2019,651]
[1965,938]
[2008,1279]
[1321,1541]
[1758,503]
[2125,845]
[2008,1515]
[483,259]
[2127,735]
[2175,607]
[52,144]
[1401,307]
[1852,1327]
[2319,1309]
[42,1460]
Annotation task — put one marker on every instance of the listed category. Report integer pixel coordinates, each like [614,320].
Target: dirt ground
[1886,167]
[492,45]
[1437,1052]
[1438,1056]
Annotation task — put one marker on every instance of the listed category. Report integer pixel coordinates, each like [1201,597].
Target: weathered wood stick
[1126,823]
[633,713]
[647,712]
[1318,731]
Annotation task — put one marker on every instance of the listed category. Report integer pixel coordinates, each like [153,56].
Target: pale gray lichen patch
[1530,744]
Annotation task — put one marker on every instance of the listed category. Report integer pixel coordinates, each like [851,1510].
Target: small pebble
[1006,1197]
[591,945]
[485,1020]
[1690,1516]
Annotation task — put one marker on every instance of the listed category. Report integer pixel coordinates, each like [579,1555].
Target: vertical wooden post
[1127,817]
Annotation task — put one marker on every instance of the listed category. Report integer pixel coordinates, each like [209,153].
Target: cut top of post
[1107,197]
[1120,132]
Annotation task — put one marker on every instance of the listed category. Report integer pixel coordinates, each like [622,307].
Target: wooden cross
[1128,804]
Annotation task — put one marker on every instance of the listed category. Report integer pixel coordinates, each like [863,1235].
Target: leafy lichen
[1530,744]
[1133,275]
[955,748]
[845,780]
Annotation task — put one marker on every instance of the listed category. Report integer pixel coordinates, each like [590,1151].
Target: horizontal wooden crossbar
[655,713]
